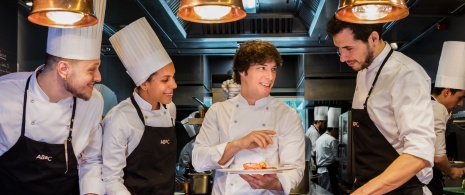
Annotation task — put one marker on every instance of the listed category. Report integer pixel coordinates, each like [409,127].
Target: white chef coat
[313,134]
[235,118]
[326,151]
[440,122]
[400,106]
[122,132]
[48,122]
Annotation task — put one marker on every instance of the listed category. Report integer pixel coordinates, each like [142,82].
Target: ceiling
[294,26]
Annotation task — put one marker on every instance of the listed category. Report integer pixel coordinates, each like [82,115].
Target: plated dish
[257,171]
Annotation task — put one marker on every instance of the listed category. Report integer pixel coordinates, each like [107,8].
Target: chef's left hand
[267,181]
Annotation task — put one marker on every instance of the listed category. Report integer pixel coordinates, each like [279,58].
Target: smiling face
[160,87]
[257,81]
[81,77]
[357,54]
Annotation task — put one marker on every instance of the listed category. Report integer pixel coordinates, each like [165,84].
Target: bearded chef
[252,127]
[49,120]
[447,94]
[139,140]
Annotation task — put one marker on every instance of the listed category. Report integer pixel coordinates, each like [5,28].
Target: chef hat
[78,43]
[140,50]
[321,113]
[333,117]
[451,70]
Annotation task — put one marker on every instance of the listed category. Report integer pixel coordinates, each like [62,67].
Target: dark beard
[368,59]
[74,91]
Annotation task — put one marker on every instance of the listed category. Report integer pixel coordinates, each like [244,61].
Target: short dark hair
[51,61]
[360,31]
[253,52]
[438,91]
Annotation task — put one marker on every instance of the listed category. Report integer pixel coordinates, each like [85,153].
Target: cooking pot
[199,183]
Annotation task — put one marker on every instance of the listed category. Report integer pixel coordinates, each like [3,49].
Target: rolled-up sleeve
[440,121]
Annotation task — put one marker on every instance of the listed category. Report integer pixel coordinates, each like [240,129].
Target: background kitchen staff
[313,132]
[139,147]
[391,112]
[252,127]
[49,120]
[326,153]
[447,94]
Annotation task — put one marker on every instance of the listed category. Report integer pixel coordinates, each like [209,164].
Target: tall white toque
[333,117]
[78,43]
[451,70]
[140,50]
[320,113]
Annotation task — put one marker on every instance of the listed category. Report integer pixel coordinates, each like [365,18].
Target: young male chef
[447,94]
[252,127]
[319,126]
[49,119]
[391,112]
[326,153]
[139,139]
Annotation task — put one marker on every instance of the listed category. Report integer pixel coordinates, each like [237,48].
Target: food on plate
[256,166]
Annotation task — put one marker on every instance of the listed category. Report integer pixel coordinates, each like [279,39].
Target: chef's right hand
[254,139]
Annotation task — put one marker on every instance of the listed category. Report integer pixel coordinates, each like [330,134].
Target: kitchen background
[311,75]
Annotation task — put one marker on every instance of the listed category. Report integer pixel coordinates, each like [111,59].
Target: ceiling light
[371,11]
[211,11]
[63,13]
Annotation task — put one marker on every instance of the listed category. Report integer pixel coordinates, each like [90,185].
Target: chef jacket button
[146,117]
[33,122]
[235,121]
[237,106]
[263,124]
[267,108]
[164,112]
[231,184]
[32,101]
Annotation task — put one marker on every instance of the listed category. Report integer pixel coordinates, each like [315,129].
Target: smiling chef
[252,127]
[139,140]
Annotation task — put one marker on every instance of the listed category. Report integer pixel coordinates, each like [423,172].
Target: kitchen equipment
[201,111]
[199,183]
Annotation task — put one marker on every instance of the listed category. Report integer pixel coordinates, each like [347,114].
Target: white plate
[258,171]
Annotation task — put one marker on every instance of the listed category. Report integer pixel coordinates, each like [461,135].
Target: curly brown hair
[361,31]
[254,52]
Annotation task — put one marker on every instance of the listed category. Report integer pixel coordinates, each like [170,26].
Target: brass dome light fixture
[211,11]
[63,13]
[371,11]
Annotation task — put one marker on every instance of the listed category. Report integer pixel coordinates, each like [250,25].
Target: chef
[326,153]
[447,94]
[252,127]
[139,140]
[49,119]
[391,112]
[313,132]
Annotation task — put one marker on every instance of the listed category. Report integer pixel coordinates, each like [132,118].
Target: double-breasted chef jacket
[235,118]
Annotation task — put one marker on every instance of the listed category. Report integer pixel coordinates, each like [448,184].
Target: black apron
[373,153]
[436,184]
[33,167]
[150,168]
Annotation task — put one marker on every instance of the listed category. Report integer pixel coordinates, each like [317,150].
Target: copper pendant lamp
[211,11]
[371,11]
[63,13]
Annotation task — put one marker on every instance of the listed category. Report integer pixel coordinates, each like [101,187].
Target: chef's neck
[144,94]
[378,48]
[52,84]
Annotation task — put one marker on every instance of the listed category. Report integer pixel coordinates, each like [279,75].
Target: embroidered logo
[355,124]
[44,157]
[165,141]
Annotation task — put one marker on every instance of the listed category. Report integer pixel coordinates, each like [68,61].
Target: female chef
[139,147]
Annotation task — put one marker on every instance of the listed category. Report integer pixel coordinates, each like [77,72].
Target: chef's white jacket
[122,132]
[48,122]
[440,122]
[235,118]
[400,106]
[313,134]
[326,152]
